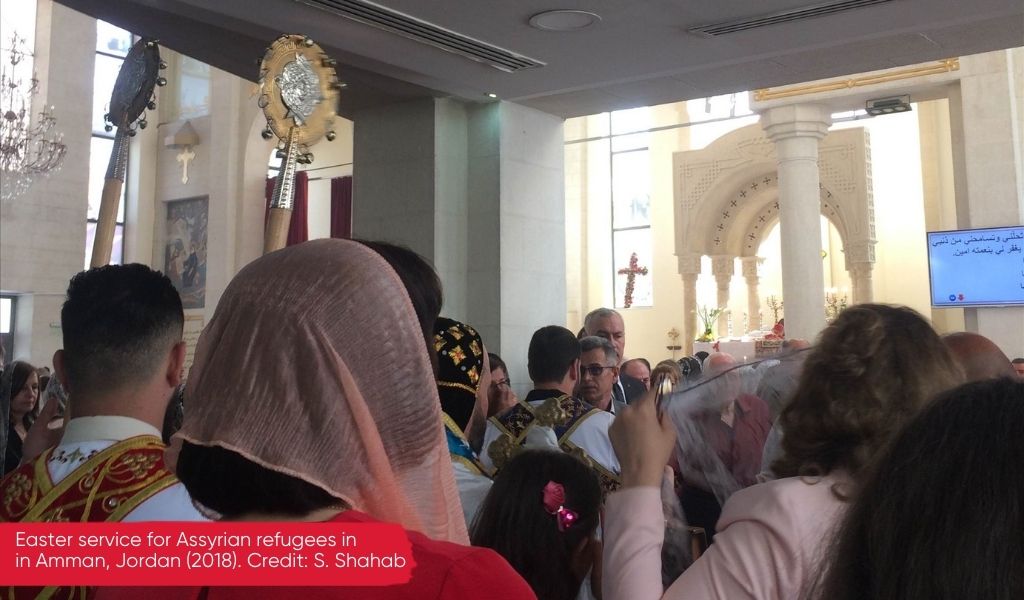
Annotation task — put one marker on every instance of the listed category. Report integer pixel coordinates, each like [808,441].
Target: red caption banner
[220,554]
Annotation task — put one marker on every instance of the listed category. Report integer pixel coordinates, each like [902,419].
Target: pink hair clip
[554,503]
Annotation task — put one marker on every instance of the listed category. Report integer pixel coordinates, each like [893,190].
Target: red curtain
[341,207]
[298,229]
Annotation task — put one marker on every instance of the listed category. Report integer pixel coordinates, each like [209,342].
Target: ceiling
[639,53]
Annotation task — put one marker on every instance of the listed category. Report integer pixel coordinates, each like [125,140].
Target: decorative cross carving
[631,272]
[184,157]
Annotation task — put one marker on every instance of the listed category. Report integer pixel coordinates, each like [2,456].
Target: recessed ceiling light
[564,20]
[491,95]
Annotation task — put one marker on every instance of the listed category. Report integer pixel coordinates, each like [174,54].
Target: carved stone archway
[726,201]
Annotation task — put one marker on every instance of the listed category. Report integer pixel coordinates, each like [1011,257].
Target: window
[112,45]
[193,88]
[7,307]
[631,207]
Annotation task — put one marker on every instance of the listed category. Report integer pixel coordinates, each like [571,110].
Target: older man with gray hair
[608,324]
[598,371]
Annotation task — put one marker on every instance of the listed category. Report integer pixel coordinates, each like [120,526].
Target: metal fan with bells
[299,96]
[133,94]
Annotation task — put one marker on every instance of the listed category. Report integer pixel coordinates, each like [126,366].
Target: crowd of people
[878,461]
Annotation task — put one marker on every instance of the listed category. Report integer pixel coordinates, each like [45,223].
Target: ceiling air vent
[393,21]
[788,16]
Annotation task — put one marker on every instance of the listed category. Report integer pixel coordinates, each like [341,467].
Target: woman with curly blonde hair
[872,370]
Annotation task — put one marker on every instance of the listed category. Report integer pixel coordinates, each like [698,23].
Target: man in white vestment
[550,414]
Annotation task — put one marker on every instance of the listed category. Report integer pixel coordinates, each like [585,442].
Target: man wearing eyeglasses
[550,415]
[608,324]
[598,372]
[499,395]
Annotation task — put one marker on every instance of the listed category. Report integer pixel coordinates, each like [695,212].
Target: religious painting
[185,251]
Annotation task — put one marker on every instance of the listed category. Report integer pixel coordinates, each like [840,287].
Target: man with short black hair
[121,362]
[607,323]
[550,415]
[1018,366]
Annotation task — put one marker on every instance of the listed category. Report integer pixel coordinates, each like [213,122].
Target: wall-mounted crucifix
[185,157]
[185,138]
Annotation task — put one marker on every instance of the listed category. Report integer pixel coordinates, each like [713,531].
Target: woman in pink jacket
[872,370]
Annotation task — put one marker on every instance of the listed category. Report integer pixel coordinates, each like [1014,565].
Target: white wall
[42,234]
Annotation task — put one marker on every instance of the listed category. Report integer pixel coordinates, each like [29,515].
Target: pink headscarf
[314,366]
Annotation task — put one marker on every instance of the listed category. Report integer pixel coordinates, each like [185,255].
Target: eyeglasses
[593,370]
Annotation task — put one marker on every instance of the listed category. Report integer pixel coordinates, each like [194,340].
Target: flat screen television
[977,267]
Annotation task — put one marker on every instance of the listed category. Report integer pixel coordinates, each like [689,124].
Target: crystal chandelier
[29,148]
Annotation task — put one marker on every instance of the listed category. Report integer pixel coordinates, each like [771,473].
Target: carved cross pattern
[717,240]
[762,218]
[721,227]
[185,157]
[776,205]
[767,180]
[753,186]
[743,193]
[733,203]
[725,214]
[752,237]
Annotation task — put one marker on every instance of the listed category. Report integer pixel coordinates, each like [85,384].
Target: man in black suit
[607,323]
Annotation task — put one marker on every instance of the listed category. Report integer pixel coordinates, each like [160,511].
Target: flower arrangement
[707,319]
[775,305]
[835,303]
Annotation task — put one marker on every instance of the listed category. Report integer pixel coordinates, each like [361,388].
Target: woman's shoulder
[788,500]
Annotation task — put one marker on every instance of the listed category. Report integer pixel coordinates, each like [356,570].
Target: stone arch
[728,192]
[726,200]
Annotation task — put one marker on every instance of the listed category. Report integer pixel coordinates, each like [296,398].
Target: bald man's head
[718,362]
[978,356]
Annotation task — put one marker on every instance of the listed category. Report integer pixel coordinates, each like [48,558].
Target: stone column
[860,262]
[723,268]
[689,269]
[860,276]
[477,189]
[797,130]
[986,124]
[751,265]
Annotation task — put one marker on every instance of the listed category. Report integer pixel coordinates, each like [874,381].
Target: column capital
[723,265]
[751,266]
[859,252]
[689,264]
[860,269]
[796,120]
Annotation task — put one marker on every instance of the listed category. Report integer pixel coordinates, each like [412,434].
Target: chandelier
[29,148]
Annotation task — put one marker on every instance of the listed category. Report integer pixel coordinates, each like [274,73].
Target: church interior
[806,217]
[542,178]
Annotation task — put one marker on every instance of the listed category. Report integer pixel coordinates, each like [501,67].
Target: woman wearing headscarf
[306,402]
[463,378]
